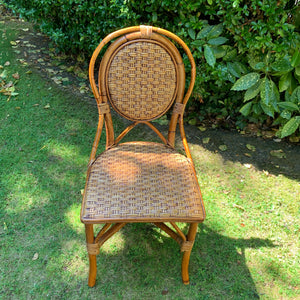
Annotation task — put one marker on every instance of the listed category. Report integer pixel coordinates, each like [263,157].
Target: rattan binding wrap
[93,249]
[141,80]
[140,181]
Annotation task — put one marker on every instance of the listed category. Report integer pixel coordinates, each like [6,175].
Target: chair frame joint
[93,249]
[179,108]
[103,108]
[186,246]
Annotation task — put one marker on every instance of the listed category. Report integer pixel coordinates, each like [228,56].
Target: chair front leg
[187,249]
[89,232]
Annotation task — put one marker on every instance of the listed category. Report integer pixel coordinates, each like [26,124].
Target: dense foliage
[246,51]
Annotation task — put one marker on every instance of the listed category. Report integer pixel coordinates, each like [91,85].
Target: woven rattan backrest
[141,75]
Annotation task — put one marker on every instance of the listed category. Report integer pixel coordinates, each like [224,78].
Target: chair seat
[141,182]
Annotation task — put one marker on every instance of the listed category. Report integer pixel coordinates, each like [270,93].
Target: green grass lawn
[247,248]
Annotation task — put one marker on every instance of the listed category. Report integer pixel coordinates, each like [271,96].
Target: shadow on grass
[262,156]
[150,262]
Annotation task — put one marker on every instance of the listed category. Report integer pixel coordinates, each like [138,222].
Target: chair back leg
[187,253]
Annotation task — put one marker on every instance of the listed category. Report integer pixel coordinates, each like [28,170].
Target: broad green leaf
[294,84]
[252,92]
[288,105]
[219,52]
[285,82]
[154,17]
[217,41]
[275,97]
[246,109]
[259,66]
[231,53]
[298,78]
[256,108]
[287,96]
[286,114]
[282,65]
[192,33]
[296,58]
[231,69]
[204,32]
[234,69]
[265,95]
[197,43]
[265,91]
[295,97]
[241,67]
[230,77]
[290,127]
[269,96]
[215,31]
[278,121]
[246,81]
[297,70]
[209,55]
[268,109]
[252,61]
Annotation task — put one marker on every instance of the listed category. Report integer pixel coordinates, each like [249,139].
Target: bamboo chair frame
[121,39]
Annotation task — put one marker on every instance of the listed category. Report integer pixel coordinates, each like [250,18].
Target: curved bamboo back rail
[153,35]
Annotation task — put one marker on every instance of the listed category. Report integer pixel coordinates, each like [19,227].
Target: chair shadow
[219,259]
[218,266]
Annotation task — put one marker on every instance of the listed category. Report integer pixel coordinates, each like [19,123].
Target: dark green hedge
[247,52]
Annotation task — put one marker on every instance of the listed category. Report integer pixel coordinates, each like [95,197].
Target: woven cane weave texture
[142,81]
[142,181]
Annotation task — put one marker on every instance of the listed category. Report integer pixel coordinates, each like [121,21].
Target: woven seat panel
[142,81]
[141,182]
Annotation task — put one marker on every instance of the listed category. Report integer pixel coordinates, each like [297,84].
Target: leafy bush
[75,25]
[262,94]
[238,45]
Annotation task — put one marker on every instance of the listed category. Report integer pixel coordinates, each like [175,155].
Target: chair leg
[187,253]
[89,232]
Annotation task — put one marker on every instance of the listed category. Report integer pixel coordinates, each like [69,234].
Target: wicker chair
[141,76]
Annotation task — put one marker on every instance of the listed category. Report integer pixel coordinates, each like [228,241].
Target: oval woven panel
[141,81]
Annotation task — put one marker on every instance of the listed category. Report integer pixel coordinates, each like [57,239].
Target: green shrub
[238,45]
[271,77]
[75,25]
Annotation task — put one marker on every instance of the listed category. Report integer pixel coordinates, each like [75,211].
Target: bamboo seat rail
[142,77]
